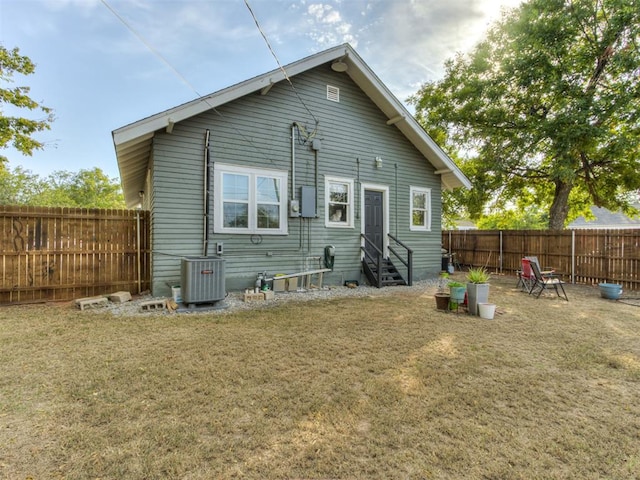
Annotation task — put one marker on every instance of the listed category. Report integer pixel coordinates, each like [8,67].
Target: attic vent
[333,93]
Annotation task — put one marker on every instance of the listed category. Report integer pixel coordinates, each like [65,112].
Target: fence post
[500,257]
[573,256]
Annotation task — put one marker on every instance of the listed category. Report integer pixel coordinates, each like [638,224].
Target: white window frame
[427,193]
[349,205]
[252,173]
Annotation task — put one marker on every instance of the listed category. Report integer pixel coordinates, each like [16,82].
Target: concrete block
[292,284]
[153,305]
[92,302]
[279,285]
[253,297]
[120,297]
[269,295]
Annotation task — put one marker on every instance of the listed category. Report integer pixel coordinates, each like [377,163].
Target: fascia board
[202,104]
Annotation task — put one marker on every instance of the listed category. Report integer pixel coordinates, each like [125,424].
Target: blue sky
[98,76]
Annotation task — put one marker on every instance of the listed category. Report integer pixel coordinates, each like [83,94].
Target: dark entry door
[373,220]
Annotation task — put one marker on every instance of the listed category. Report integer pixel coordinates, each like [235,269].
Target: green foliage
[14,130]
[531,218]
[86,188]
[546,109]
[478,275]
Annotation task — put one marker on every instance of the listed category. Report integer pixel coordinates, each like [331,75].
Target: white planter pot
[477,293]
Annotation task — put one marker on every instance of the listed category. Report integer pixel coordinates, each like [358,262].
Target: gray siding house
[289,172]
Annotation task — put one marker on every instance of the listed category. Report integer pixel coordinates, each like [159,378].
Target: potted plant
[442,296]
[457,291]
[477,288]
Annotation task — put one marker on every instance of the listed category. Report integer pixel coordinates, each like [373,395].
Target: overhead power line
[150,47]
[182,77]
[284,72]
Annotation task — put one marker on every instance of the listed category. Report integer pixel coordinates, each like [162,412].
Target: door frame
[384,189]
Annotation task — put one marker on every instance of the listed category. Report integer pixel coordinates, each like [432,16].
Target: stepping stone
[120,297]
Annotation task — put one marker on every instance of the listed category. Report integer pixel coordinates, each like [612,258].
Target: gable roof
[133,142]
[607,219]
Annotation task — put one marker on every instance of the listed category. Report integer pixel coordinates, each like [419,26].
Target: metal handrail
[379,255]
[409,262]
[377,260]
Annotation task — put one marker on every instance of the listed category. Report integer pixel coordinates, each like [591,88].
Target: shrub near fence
[580,256]
[66,253]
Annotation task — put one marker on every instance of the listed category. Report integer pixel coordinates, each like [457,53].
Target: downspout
[360,193]
[316,180]
[396,206]
[206,186]
[293,161]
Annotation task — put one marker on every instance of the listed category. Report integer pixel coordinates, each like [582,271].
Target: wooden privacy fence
[581,256]
[66,253]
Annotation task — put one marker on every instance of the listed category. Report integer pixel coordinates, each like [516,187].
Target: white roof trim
[140,133]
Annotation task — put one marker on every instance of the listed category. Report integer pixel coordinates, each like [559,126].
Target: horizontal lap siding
[256,131]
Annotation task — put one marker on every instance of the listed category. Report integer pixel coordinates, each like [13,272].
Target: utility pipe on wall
[293,161]
[206,185]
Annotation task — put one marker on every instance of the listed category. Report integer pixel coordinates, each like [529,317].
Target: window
[249,201]
[420,208]
[339,202]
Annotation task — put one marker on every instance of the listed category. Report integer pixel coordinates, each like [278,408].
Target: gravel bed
[234,301]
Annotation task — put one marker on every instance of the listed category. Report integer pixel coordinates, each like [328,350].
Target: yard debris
[172,305]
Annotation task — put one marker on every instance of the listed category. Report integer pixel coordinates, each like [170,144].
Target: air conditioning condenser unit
[202,280]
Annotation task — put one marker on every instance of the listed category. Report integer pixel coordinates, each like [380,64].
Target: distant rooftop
[606,219]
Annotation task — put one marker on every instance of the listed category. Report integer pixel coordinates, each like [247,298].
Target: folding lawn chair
[545,270]
[542,282]
[526,277]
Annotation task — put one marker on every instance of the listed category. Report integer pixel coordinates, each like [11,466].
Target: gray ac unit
[202,279]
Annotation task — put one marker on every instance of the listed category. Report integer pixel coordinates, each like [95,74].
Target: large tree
[86,188]
[15,130]
[546,108]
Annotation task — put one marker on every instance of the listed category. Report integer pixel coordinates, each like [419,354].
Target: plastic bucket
[176,294]
[611,291]
[487,310]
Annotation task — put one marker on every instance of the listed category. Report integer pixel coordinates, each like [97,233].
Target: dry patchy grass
[375,387]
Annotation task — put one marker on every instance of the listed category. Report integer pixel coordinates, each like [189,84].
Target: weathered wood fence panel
[581,256]
[66,253]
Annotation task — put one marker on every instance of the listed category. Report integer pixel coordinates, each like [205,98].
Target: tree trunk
[560,206]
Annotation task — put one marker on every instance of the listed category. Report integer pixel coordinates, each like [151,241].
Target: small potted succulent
[457,291]
[477,288]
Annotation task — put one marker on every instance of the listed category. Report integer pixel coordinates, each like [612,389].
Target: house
[289,172]
[603,219]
